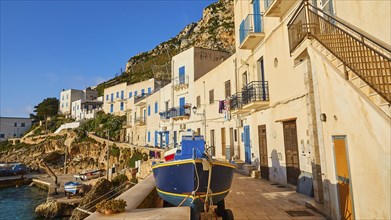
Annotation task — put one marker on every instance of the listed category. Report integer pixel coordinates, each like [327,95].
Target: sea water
[20,203]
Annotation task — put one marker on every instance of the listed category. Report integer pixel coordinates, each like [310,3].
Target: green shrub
[119,180]
[137,155]
[115,151]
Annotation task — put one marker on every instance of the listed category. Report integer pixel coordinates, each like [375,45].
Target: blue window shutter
[135,93]
[182,75]
[149,110]
[130,94]
[111,108]
[117,95]
[122,94]
[112,96]
[142,91]
[107,97]
[149,90]
[149,136]
[156,107]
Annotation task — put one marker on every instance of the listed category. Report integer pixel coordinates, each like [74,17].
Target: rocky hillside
[215,31]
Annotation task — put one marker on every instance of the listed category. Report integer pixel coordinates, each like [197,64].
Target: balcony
[165,115]
[181,82]
[121,98]
[126,124]
[278,8]
[181,112]
[255,95]
[140,99]
[236,104]
[139,121]
[110,101]
[251,31]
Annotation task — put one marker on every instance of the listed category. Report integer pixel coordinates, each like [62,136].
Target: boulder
[53,209]
[99,190]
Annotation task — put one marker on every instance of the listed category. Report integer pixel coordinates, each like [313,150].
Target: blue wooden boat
[72,188]
[185,180]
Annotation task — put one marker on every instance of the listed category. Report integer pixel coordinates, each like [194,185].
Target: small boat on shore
[194,179]
[72,188]
[87,175]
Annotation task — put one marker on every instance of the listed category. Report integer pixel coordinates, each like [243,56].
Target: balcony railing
[236,101]
[139,120]
[369,59]
[140,97]
[165,115]
[181,82]
[268,3]
[255,91]
[251,31]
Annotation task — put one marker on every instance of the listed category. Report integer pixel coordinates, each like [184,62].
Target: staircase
[362,60]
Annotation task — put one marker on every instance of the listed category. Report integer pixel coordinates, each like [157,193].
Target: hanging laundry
[221,106]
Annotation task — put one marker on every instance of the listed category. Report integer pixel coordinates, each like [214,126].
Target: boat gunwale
[177,162]
[190,196]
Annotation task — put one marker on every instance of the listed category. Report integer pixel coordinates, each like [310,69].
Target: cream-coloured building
[313,93]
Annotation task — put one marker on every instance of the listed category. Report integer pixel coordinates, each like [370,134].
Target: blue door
[156,138]
[257,16]
[181,104]
[246,140]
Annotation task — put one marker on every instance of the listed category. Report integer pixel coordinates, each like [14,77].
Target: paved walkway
[257,199]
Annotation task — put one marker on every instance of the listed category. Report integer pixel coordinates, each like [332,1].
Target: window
[149,90]
[211,96]
[156,107]
[149,136]
[235,135]
[66,104]
[117,95]
[227,89]
[198,101]
[135,93]
[107,97]
[62,98]
[112,97]
[244,79]
[149,110]
[111,108]
[122,94]
[77,107]
[62,105]
[122,106]
[2,135]
[16,124]
[23,125]
[14,135]
[199,131]
[182,75]
[130,94]
[142,91]
[67,96]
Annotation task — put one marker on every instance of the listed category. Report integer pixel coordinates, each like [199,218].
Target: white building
[86,109]
[13,127]
[71,95]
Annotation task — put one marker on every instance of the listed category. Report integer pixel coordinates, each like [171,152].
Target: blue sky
[47,46]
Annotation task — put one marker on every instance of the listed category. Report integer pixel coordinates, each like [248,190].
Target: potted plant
[109,207]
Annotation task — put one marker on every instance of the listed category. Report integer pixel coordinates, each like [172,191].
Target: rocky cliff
[215,30]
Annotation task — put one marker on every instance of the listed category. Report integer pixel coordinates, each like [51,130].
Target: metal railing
[180,111]
[139,120]
[165,114]
[253,23]
[255,91]
[181,80]
[140,97]
[268,3]
[367,58]
[236,101]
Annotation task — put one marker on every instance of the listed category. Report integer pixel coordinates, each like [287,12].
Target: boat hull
[176,180]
